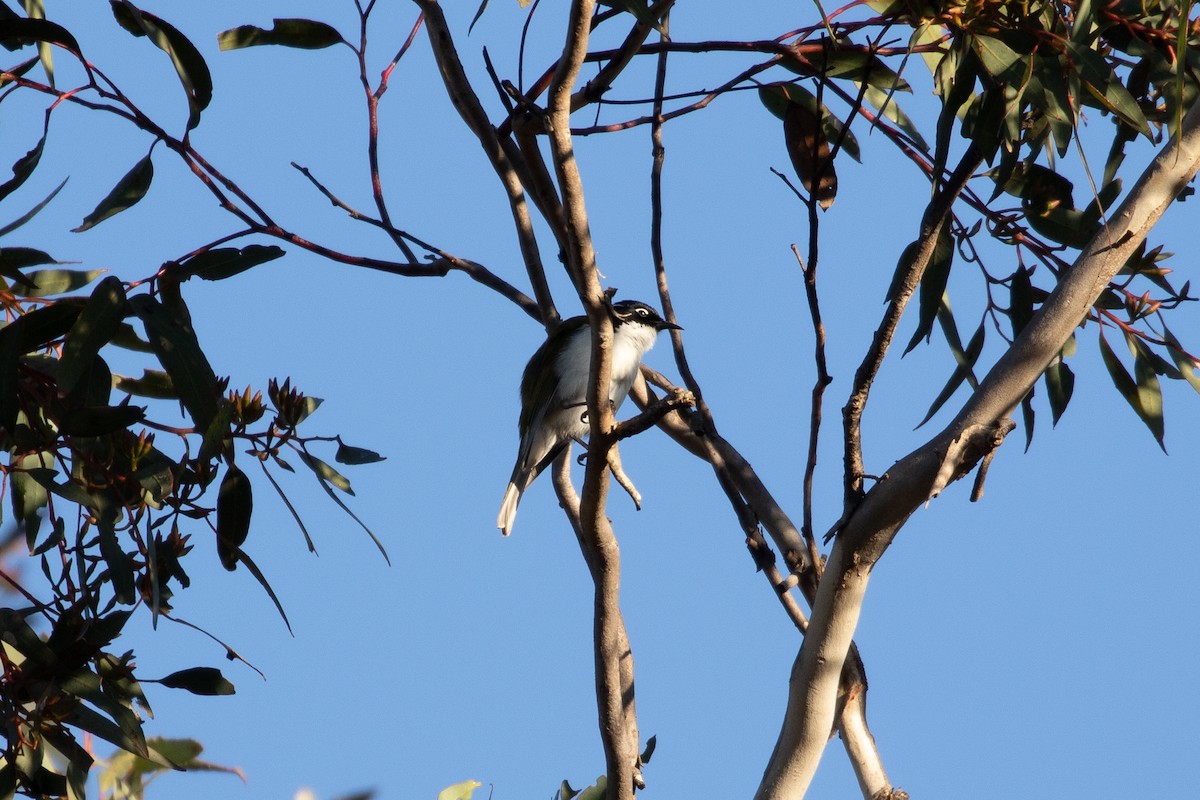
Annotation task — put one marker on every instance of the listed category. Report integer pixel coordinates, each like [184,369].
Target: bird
[554,390]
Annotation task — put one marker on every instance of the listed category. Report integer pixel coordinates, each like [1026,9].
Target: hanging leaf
[189,64]
[1060,384]
[886,104]
[1102,84]
[326,473]
[1186,365]
[809,151]
[96,325]
[23,167]
[33,212]
[120,566]
[933,286]
[305,34]
[964,372]
[129,190]
[1145,399]
[179,352]
[235,504]
[1020,300]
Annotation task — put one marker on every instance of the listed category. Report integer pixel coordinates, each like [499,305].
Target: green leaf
[777,98]
[855,65]
[963,372]
[179,352]
[933,286]
[24,166]
[1100,81]
[199,680]
[153,383]
[1149,390]
[128,737]
[225,262]
[1060,384]
[325,485]
[235,505]
[459,791]
[41,326]
[326,473]
[129,190]
[14,259]
[356,455]
[1020,300]
[97,324]
[955,82]
[189,64]
[998,59]
[33,212]
[886,104]
[1184,362]
[120,566]
[58,281]
[306,34]
[1140,395]
[257,574]
[28,495]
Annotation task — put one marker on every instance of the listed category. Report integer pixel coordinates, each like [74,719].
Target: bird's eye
[641,312]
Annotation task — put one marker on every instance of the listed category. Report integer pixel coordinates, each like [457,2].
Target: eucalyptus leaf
[306,34]
[199,680]
[129,190]
[97,324]
[356,455]
[58,281]
[179,352]
[189,64]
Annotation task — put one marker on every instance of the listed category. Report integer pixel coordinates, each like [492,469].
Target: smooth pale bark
[978,428]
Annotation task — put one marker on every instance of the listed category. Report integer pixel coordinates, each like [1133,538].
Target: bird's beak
[668,326]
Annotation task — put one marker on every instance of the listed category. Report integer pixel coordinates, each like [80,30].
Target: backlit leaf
[179,352]
[1138,394]
[189,64]
[129,190]
[199,680]
[96,325]
[933,286]
[459,791]
[225,262]
[809,151]
[235,505]
[1060,384]
[58,281]
[356,455]
[306,34]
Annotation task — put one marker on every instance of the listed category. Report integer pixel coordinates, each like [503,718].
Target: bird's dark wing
[539,380]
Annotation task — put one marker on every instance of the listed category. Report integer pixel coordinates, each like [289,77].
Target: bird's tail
[508,508]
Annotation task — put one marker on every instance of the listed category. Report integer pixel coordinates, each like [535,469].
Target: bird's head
[635,312]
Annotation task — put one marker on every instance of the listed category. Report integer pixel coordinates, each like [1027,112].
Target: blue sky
[1037,644]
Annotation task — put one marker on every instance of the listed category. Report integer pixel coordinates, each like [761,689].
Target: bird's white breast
[630,343]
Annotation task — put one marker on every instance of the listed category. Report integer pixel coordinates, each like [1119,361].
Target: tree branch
[978,429]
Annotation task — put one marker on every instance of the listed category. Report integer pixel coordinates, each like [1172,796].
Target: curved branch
[978,428]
